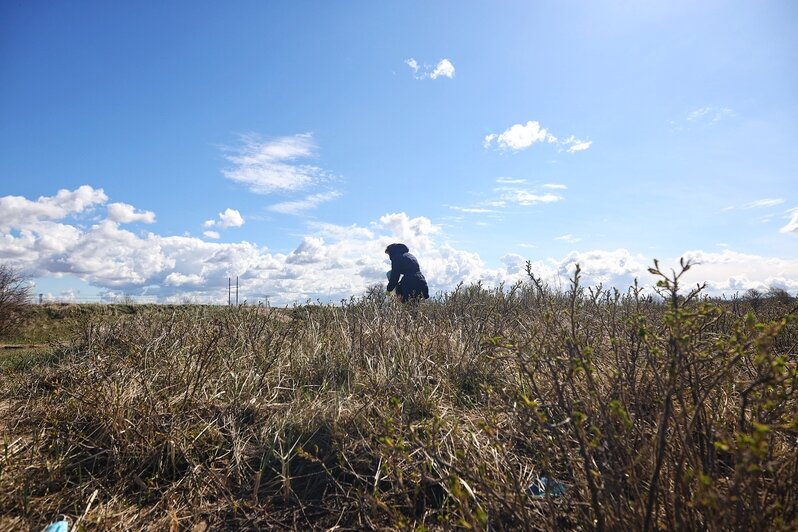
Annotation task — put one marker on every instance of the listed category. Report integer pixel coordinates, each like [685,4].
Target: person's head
[396,249]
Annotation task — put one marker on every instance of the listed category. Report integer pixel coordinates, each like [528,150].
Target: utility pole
[229,302]
[236,290]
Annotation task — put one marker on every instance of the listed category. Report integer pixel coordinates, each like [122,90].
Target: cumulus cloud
[617,268]
[179,279]
[331,262]
[17,211]
[521,136]
[729,272]
[274,165]
[124,213]
[444,69]
[228,218]
[305,204]
[212,234]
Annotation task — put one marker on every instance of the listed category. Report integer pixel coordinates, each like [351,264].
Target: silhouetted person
[405,266]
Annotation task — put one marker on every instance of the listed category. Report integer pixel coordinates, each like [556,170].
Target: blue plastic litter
[546,487]
[58,526]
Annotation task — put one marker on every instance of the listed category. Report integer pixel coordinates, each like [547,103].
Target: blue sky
[289,142]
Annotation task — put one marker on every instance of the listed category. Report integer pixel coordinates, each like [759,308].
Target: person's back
[405,266]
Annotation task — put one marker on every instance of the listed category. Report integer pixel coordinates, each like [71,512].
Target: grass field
[645,413]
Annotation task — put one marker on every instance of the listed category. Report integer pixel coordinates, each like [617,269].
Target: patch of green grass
[23,360]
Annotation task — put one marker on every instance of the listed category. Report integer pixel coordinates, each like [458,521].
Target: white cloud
[573,144]
[124,213]
[444,68]
[330,263]
[473,210]
[769,202]
[300,206]
[211,234]
[571,239]
[18,211]
[555,186]
[729,272]
[617,268]
[698,114]
[520,136]
[178,279]
[709,115]
[412,231]
[526,197]
[792,225]
[273,166]
[512,195]
[230,218]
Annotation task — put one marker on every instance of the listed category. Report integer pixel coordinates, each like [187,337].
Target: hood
[396,249]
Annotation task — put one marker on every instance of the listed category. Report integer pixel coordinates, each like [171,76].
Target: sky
[154,150]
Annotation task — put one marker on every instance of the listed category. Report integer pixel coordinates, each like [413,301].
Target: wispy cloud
[228,218]
[305,204]
[571,239]
[521,136]
[211,234]
[792,225]
[703,116]
[512,191]
[709,115]
[274,165]
[768,202]
[527,197]
[573,144]
[473,210]
[443,69]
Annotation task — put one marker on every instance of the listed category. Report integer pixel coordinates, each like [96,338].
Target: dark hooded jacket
[404,265]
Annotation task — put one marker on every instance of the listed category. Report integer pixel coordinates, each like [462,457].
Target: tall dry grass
[672,412]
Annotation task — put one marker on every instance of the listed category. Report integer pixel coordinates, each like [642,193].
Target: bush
[14,295]
[672,413]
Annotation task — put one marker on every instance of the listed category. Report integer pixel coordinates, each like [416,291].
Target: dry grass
[655,414]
